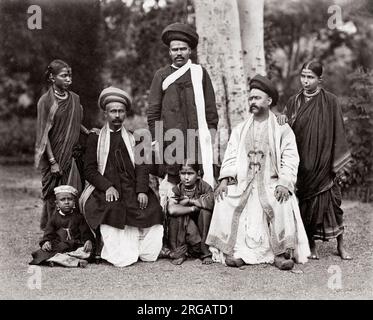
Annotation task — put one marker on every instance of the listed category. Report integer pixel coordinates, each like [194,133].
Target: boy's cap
[65,189]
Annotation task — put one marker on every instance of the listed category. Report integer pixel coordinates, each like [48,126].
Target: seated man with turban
[256,217]
[117,199]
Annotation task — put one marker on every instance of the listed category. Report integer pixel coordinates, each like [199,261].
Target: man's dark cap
[182,32]
[264,84]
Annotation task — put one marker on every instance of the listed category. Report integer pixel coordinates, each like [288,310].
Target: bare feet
[233,262]
[178,261]
[314,253]
[343,253]
[207,260]
[341,249]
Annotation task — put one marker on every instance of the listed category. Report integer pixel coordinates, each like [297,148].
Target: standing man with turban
[256,218]
[182,97]
[117,199]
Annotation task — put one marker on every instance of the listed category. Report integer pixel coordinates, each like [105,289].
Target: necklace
[62,96]
[312,94]
[189,191]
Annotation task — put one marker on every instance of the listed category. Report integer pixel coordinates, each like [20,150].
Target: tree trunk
[220,52]
[252,35]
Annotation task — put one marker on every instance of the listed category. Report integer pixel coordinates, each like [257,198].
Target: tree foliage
[134,49]
[108,42]
[70,31]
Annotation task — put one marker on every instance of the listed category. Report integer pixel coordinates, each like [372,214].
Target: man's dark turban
[182,32]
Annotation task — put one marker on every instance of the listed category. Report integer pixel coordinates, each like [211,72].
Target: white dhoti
[252,243]
[124,247]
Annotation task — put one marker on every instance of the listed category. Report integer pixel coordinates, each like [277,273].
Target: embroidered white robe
[276,226]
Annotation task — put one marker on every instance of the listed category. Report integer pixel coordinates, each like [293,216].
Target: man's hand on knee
[112,194]
[282,194]
[222,190]
[142,198]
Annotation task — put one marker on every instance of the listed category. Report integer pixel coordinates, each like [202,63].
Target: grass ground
[20,208]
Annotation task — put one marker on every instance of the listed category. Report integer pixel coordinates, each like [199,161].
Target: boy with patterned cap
[117,201]
[182,97]
[66,231]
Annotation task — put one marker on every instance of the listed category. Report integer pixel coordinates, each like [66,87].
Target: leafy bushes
[17,137]
[358,116]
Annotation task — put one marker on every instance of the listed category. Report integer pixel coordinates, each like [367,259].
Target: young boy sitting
[66,231]
[188,216]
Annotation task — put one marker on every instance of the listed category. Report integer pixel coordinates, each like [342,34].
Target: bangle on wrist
[52,161]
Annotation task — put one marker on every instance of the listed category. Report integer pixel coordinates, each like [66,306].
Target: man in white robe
[256,217]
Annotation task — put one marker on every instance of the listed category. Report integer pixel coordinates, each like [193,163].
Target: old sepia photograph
[186,154]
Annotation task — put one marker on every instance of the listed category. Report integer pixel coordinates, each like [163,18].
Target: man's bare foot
[343,254]
[233,262]
[207,260]
[178,261]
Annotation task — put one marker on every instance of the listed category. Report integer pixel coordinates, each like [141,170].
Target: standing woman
[59,118]
[316,119]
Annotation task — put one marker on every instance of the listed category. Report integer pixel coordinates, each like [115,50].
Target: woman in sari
[59,123]
[316,119]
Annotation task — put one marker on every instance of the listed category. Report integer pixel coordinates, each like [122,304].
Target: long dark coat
[176,107]
[127,180]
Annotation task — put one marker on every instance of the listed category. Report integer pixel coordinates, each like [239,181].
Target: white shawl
[203,131]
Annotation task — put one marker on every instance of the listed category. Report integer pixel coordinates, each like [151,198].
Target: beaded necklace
[59,95]
[308,96]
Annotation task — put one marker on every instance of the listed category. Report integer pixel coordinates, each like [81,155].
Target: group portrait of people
[275,193]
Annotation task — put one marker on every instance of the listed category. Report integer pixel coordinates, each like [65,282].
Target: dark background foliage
[112,43]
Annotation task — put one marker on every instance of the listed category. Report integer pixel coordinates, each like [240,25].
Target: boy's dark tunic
[189,232]
[127,180]
[66,233]
[323,150]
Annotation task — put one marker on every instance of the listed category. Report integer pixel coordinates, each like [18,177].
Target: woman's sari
[323,150]
[59,121]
